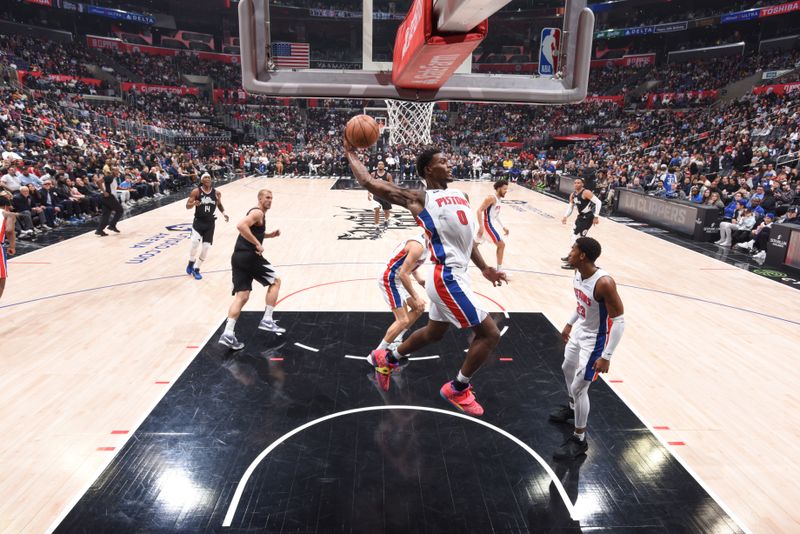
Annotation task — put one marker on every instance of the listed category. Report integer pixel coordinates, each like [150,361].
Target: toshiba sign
[780,9]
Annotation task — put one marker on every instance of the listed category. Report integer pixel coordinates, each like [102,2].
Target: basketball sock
[581,436]
[383,345]
[197,264]
[399,337]
[229,326]
[461,382]
[268,313]
[499,267]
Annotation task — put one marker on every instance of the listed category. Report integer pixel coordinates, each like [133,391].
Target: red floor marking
[490,299]
[321,285]
[192,347]
[106,448]
[276,359]
[660,428]
[676,443]
[119,431]
[616,381]
[365,280]
[506,359]
[162,381]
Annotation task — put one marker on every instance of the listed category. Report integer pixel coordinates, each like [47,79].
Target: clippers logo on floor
[160,242]
[364,227]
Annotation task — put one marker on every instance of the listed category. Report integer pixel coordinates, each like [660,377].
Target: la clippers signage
[549,51]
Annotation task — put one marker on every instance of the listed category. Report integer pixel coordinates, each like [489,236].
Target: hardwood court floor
[92,328]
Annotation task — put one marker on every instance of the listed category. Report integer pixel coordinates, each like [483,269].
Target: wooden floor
[85,338]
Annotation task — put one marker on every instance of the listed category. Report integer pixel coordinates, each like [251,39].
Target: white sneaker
[761,256]
[270,326]
[48,228]
[748,245]
[231,342]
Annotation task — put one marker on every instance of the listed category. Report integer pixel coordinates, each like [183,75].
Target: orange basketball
[362,131]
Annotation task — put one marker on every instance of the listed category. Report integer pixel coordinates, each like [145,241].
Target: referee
[108,185]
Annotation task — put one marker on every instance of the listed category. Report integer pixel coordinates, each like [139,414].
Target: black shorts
[582,224]
[247,266]
[204,230]
[384,204]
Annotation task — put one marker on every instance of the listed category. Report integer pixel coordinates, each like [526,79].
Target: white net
[409,122]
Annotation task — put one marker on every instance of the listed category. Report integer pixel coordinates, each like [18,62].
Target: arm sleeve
[614,336]
[597,205]
[570,206]
[574,318]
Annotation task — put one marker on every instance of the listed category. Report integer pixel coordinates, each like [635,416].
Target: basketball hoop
[410,122]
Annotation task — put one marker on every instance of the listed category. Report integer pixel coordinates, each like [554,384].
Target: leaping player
[205,200]
[490,223]
[406,305]
[592,335]
[588,214]
[450,226]
[7,222]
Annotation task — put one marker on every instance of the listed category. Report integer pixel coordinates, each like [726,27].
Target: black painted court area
[402,471]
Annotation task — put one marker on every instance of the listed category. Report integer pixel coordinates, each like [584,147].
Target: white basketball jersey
[399,256]
[450,226]
[592,315]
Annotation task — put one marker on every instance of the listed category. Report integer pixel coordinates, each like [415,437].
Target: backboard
[351,51]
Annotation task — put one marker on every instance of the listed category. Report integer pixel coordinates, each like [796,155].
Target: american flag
[291,55]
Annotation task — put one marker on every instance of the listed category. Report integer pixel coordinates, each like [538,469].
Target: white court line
[74,501]
[312,349]
[237,495]
[415,358]
[504,330]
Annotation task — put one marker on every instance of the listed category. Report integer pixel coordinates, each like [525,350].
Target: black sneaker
[101,233]
[564,259]
[562,414]
[568,267]
[113,229]
[571,449]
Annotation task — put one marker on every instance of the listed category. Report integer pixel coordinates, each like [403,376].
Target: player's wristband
[574,318]
[614,335]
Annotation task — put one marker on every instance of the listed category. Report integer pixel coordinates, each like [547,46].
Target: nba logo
[549,50]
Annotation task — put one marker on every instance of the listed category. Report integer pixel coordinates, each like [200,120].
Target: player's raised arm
[412,200]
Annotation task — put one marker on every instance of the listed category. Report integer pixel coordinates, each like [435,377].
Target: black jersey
[258,230]
[204,212]
[583,205]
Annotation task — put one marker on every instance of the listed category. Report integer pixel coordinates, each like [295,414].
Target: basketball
[362,131]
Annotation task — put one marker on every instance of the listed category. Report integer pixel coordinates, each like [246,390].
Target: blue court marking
[159,278]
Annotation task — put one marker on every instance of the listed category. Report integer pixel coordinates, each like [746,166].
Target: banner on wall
[781,9]
[110,43]
[61,78]
[150,88]
[634,60]
[615,99]
[778,89]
